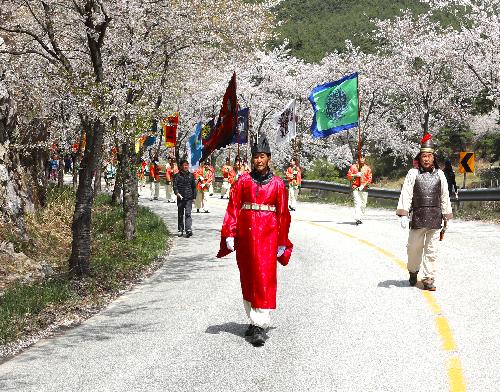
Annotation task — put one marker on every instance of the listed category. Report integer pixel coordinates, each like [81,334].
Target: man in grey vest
[424,207]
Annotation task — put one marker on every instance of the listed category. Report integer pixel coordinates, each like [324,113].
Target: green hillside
[316,27]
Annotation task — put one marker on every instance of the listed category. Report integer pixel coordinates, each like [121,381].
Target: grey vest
[426,204]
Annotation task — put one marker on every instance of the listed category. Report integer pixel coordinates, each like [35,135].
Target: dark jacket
[185,185]
[452,184]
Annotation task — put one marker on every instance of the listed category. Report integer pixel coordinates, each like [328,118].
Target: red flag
[227,121]
[170,124]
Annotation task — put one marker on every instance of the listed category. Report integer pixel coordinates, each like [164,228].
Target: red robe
[257,236]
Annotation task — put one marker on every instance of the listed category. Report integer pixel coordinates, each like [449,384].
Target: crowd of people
[155,173]
[259,202]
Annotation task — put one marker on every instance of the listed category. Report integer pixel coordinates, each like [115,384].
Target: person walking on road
[256,225]
[170,171]
[450,179]
[154,179]
[185,190]
[204,179]
[294,177]
[424,207]
[361,177]
[226,184]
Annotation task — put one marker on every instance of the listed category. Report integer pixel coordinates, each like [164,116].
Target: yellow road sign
[466,162]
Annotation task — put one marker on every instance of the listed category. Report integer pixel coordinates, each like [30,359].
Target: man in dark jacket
[185,190]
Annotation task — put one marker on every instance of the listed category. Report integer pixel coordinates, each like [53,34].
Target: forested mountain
[316,27]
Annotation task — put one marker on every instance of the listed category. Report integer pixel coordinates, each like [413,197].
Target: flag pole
[359,121]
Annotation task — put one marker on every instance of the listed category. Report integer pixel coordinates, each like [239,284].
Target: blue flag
[335,106]
[240,135]
[195,147]
[150,140]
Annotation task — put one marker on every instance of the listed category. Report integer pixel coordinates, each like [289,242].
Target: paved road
[346,318]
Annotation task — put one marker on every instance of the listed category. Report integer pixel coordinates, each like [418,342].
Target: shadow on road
[393,283]
[347,223]
[232,328]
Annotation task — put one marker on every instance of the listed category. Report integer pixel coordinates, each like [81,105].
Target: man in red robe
[256,225]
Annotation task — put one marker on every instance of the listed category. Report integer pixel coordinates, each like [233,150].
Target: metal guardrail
[482,194]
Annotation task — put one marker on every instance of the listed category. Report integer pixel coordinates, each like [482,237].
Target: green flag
[335,106]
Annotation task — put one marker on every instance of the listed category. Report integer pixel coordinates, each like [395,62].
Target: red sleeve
[299,176]
[229,226]
[283,214]
[231,176]
[367,176]
[350,173]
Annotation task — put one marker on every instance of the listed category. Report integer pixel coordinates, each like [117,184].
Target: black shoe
[206,212]
[413,279]
[197,210]
[222,197]
[358,222]
[258,337]
[249,331]
[189,234]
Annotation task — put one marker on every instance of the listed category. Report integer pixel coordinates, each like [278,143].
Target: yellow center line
[455,373]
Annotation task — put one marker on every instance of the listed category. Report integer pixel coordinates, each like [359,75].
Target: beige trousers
[360,200]
[201,201]
[169,192]
[292,196]
[154,187]
[226,189]
[422,249]
[259,317]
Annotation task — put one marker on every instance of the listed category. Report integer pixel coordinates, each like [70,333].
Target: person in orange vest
[226,184]
[170,171]
[141,169]
[294,177]
[360,176]
[204,179]
[154,179]
[211,187]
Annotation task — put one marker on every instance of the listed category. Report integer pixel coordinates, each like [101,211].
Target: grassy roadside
[480,211]
[26,309]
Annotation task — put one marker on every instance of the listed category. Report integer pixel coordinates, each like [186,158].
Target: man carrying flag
[170,171]
[204,179]
[294,177]
[226,173]
[154,179]
[360,176]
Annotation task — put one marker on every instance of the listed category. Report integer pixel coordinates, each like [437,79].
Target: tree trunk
[60,173]
[130,190]
[97,179]
[14,196]
[35,160]
[81,228]
[117,190]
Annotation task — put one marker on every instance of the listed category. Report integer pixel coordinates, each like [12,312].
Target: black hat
[260,144]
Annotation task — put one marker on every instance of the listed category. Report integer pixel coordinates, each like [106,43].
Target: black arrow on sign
[465,162]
